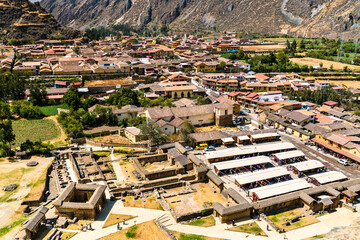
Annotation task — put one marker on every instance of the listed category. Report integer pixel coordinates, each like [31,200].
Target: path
[63,136]
[339,219]
[144,215]
[117,169]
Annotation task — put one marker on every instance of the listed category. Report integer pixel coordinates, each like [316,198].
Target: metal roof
[241,163]
[261,175]
[307,165]
[280,188]
[289,154]
[328,177]
[258,149]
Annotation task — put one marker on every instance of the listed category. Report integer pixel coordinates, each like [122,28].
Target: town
[189,136]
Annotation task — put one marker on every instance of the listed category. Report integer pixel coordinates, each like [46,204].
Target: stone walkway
[117,169]
[340,219]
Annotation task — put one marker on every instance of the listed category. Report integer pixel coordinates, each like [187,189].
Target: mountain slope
[21,19]
[297,17]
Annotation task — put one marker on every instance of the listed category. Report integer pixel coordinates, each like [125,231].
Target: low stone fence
[162,227]
[85,140]
[268,221]
[194,215]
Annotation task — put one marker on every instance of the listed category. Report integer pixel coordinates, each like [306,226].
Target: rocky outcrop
[23,20]
[297,17]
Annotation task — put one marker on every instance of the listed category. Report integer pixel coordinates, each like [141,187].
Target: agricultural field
[108,82]
[52,110]
[44,129]
[327,64]
[267,47]
[349,84]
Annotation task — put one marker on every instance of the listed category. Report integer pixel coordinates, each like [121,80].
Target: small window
[226,112]
[165,129]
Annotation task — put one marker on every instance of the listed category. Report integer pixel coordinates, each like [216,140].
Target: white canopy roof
[283,146]
[264,135]
[289,154]
[328,177]
[307,165]
[241,163]
[261,175]
[243,138]
[280,188]
[227,140]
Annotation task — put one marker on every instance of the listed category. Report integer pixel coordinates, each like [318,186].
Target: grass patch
[44,129]
[203,222]
[150,203]
[13,176]
[316,237]
[131,233]
[52,110]
[6,229]
[144,231]
[102,154]
[116,218]
[111,168]
[37,187]
[59,143]
[280,219]
[67,235]
[185,236]
[247,228]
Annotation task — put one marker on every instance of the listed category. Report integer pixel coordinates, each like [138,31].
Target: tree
[154,134]
[185,132]
[124,96]
[38,96]
[281,57]
[7,135]
[5,112]
[164,30]
[72,98]
[25,109]
[221,65]
[293,47]
[90,101]
[302,44]
[288,45]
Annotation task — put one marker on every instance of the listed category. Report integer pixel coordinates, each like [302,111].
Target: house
[133,134]
[206,66]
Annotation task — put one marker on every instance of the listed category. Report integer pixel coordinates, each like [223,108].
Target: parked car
[215,145]
[201,146]
[241,113]
[343,162]
[189,148]
[247,110]
[210,148]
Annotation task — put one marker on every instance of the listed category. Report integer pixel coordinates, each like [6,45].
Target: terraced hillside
[21,19]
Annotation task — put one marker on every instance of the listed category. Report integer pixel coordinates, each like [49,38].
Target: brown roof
[208,136]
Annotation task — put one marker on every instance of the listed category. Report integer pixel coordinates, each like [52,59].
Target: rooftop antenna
[341,48]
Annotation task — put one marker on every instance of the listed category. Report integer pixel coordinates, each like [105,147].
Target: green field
[45,129]
[52,110]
